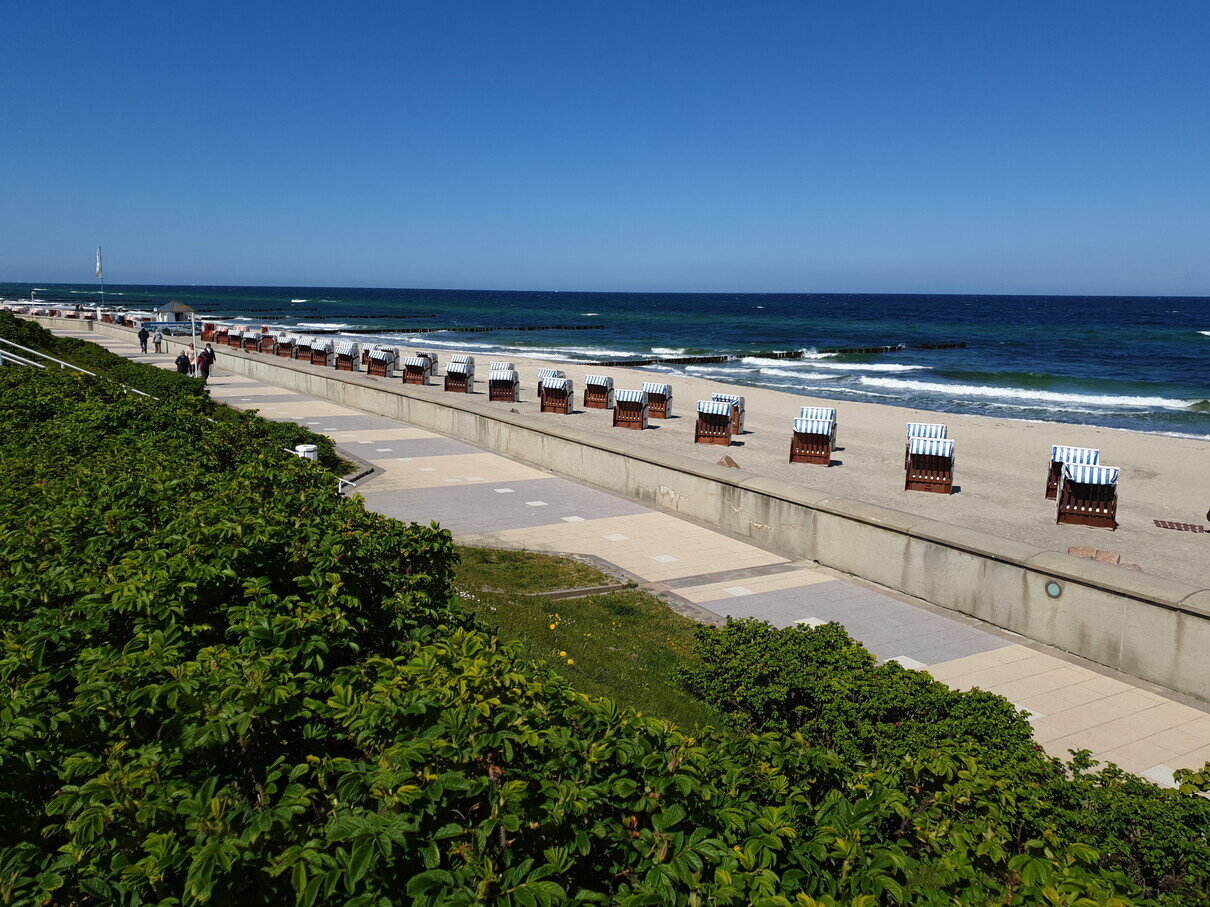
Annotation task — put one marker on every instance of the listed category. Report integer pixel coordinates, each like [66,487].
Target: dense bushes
[821,684]
[225,683]
[239,430]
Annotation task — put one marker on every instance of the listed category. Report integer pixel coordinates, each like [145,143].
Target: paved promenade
[488,499]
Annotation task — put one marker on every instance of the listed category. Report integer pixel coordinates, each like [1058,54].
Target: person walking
[205,359]
[191,352]
[143,335]
[182,363]
[157,338]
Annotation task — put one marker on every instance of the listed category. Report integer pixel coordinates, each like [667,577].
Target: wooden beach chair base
[1053,478]
[657,406]
[814,449]
[501,392]
[285,350]
[457,384]
[556,402]
[629,415]
[926,472]
[267,345]
[377,368]
[319,357]
[595,397]
[251,344]
[711,429]
[1088,505]
[345,364]
[413,374]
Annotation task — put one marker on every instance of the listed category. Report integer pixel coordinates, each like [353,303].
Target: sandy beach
[1000,472]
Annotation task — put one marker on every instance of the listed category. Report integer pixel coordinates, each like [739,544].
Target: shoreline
[1000,467]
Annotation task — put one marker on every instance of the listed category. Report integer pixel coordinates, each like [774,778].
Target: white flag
[99,274]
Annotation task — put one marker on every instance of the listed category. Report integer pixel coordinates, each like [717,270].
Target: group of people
[196,363]
[192,362]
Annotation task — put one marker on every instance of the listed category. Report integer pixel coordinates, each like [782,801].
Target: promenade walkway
[487,499]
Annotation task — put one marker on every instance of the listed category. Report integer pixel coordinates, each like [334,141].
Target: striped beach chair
[737,411]
[923,430]
[285,345]
[556,396]
[466,360]
[930,465]
[322,352]
[827,413]
[392,353]
[715,422]
[630,409]
[416,370]
[659,399]
[500,366]
[268,343]
[430,359]
[1059,455]
[544,373]
[811,441]
[503,385]
[381,362]
[348,356]
[302,348]
[250,342]
[598,392]
[1088,496]
[460,377]
[222,334]
[208,328]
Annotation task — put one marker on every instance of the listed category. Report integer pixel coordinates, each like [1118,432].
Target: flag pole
[100,275]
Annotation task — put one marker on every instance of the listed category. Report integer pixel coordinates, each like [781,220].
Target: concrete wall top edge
[976,542]
[1153,589]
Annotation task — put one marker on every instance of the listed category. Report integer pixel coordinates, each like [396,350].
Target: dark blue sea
[1133,362]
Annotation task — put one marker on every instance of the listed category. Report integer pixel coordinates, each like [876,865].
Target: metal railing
[58,362]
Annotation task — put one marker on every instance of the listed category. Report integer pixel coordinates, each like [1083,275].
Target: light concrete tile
[737,590]
[910,663]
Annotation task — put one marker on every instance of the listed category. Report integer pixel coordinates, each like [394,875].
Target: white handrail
[62,364]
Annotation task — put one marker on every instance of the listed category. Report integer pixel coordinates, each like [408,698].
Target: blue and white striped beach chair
[1089,496]
[659,399]
[930,465]
[598,392]
[322,352]
[737,412]
[811,441]
[460,377]
[1059,454]
[827,413]
[544,373]
[630,409]
[556,396]
[381,360]
[715,422]
[416,370]
[502,385]
[348,356]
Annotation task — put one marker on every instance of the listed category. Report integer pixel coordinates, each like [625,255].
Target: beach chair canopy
[715,407]
[346,348]
[557,384]
[813,426]
[381,354]
[463,358]
[630,397]
[817,412]
[324,346]
[284,337]
[458,368]
[728,398]
[550,373]
[933,447]
[1091,475]
[599,381]
[415,361]
[925,430]
[1082,456]
[496,366]
[423,354]
[653,387]
[502,374]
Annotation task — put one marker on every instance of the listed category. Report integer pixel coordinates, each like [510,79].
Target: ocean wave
[839,366]
[1020,393]
[801,376]
[325,325]
[589,314]
[298,300]
[1205,333]
[668,350]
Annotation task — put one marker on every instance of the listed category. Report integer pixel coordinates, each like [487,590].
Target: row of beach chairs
[1085,492]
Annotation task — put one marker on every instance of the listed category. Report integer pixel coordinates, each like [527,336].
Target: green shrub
[821,684]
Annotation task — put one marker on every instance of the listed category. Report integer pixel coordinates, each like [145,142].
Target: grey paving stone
[358,422]
[255,401]
[478,508]
[414,447]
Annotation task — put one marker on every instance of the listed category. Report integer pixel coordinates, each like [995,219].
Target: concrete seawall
[1147,626]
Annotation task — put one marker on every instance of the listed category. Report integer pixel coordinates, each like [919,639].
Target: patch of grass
[626,645]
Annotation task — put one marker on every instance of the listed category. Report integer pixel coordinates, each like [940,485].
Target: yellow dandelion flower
[552,626]
[571,661]
[562,654]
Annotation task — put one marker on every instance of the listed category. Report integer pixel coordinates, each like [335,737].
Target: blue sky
[898,146]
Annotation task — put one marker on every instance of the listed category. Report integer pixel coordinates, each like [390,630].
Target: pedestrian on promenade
[205,359]
[182,363]
[191,352]
[143,335]
[157,338]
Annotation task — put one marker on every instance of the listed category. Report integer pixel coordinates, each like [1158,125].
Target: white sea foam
[801,376]
[1205,333]
[1021,393]
[298,300]
[668,350]
[325,325]
[589,314]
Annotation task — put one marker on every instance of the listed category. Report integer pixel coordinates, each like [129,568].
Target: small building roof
[175,308]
